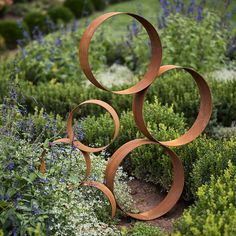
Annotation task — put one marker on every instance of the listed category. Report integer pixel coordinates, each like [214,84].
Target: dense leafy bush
[99,4]
[29,198]
[36,20]
[141,229]
[60,13]
[80,8]
[183,46]
[36,127]
[215,210]
[201,158]
[10,32]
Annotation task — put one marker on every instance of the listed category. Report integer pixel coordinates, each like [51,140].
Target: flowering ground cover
[42,81]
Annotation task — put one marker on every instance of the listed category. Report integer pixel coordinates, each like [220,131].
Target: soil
[147,195]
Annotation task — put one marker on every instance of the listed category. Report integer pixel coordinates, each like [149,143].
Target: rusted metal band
[77,143]
[156,52]
[175,191]
[201,120]
[106,191]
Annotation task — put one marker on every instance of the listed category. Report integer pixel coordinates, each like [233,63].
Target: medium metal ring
[156,52]
[201,121]
[77,143]
[175,191]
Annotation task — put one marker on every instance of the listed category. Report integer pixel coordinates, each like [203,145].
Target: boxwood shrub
[214,213]
[60,13]
[201,158]
[10,32]
[80,8]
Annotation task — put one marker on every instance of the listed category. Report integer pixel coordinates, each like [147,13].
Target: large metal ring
[201,121]
[77,143]
[175,191]
[156,53]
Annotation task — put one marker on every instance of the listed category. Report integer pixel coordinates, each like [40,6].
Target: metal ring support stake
[156,52]
[77,143]
[201,120]
[175,191]
[86,156]
[106,191]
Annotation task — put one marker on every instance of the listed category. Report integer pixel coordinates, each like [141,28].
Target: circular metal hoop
[201,121]
[77,143]
[106,191]
[156,52]
[175,191]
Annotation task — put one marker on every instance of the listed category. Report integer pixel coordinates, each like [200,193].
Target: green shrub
[214,213]
[36,19]
[30,199]
[141,229]
[99,4]
[10,31]
[201,158]
[80,8]
[183,46]
[60,13]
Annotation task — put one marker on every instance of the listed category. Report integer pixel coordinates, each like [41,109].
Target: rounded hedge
[99,4]
[36,19]
[61,13]
[10,32]
[80,8]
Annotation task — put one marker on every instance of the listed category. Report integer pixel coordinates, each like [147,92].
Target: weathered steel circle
[156,53]
[86,156]
[77,143]
[201,121]
[106,191]
[175,191]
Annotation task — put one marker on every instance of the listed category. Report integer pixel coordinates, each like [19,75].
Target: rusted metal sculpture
[139,91]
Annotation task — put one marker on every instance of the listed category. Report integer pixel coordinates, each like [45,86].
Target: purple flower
[58,42]
[38,58]
[228,15]
[19,196]
[199,13]
[24,53]
[74,27]
[10,166]
[38,35]
[134,28]
[7,197]
[35,210]
[1,197]
[191,7]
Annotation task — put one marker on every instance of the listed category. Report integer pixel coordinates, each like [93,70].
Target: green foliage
[10,32]
[201,158]
[99,4]
[34,128]
[80,8]
[141,229]
[36,19]
[214,213]
[185,42]
[53,201]
[60,13]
